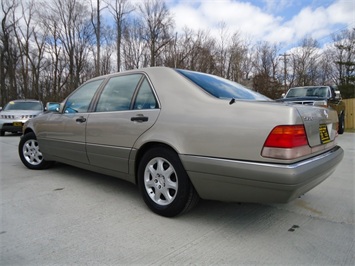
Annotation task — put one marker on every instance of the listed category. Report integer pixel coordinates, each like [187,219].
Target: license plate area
[324,134]
[17,124]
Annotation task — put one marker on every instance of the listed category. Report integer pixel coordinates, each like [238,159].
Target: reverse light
[286,142]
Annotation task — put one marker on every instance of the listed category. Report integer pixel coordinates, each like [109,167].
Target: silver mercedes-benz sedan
[182,135]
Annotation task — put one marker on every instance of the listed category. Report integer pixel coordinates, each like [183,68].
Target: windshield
[222,88]
[23,106]
[321,92]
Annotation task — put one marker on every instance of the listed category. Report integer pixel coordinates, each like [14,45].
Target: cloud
[320,22]
[188,16]
[342,11]
[238,16]
[308,21]
[261,22]
[275,6]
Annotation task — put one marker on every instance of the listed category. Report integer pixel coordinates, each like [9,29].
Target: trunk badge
[308,118]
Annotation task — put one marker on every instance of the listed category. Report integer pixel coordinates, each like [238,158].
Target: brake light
[287,137]
[286,142]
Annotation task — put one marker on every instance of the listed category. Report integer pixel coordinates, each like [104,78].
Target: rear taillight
[286,142]
[287,137]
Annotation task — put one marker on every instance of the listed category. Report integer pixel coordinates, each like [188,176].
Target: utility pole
[285,69]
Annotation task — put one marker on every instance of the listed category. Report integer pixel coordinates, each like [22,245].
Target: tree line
[49,48]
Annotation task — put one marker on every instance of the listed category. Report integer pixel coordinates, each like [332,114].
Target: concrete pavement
[68,216]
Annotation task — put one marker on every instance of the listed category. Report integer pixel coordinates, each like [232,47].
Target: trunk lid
[321,124]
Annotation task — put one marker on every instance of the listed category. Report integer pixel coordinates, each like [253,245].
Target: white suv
[16,113]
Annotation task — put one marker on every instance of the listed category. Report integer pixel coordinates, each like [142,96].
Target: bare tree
[119,9]
[158,25]
[266,66]
[201,56]
[241,60]
[192,50]
[304,61]
[8,52]
[48,48]
[96,23]
[30,42]
[134,50]
[75,35]
[326,70]
[221,53]
[344,55]
[54,72]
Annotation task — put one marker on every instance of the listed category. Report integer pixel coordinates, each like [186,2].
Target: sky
[284,22]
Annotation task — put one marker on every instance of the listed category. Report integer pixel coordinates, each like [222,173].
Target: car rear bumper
[240,181]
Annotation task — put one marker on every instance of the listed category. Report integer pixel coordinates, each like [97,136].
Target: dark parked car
[16,113]
[182,135]
[326,96]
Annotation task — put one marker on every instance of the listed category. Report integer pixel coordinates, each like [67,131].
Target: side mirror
[61,107]
[52,107]
[337,96]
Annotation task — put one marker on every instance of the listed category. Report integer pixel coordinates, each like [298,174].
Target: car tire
[2,133]
[30,153]
[341,128]
[164,183]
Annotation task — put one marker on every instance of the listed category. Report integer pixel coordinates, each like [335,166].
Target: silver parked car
[16,113]
[182,135]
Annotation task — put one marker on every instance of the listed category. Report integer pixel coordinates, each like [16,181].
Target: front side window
[118,93]
[222,88]
[80,100]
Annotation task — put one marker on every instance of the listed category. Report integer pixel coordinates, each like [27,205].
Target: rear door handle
[81,119]
[139,118]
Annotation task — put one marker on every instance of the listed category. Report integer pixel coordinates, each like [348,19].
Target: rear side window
[145,98]
[118,93]
[222,88]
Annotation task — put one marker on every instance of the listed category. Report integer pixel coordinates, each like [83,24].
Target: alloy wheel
[161,181]
[31,152]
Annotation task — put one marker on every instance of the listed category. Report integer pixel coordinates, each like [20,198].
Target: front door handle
[139,118]
[81,119]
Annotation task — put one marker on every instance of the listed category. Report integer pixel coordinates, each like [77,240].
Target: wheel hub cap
[160,181]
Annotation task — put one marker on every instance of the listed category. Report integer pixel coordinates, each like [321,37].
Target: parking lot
[68,216]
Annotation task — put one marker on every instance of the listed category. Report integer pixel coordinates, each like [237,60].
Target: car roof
[307,87]
[25,100]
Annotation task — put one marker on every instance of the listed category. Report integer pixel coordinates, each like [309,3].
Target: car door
[127,107]
[64,133]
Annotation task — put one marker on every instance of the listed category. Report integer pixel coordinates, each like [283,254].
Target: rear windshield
[222,88]
[23,106]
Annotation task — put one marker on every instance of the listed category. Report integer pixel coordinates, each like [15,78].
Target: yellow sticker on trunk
[324,134]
